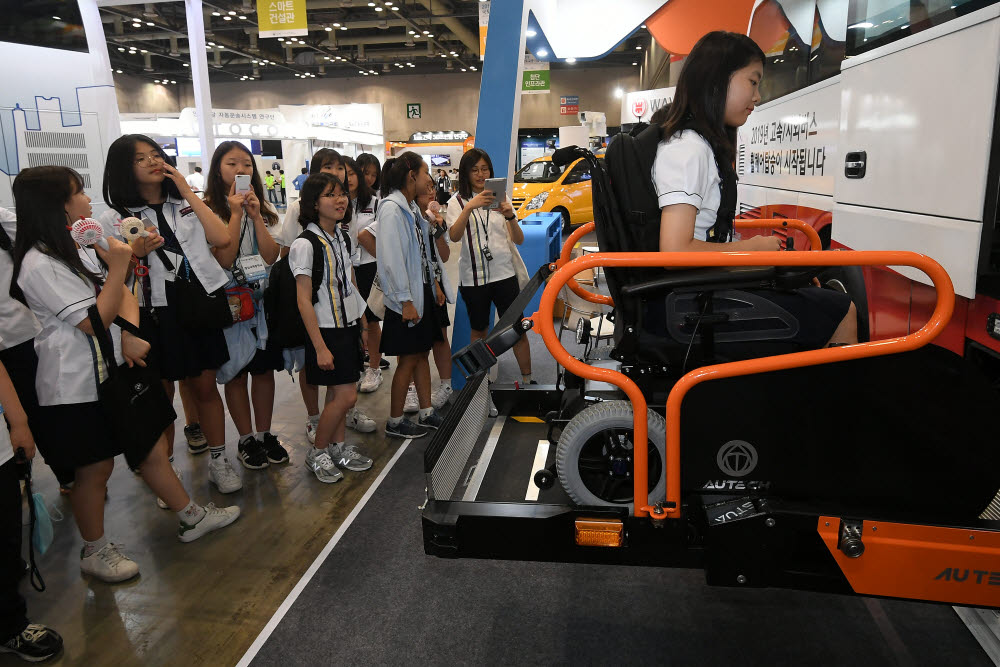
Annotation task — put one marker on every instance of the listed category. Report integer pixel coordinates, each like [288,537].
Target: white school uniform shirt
[362,218]
[70,363]
[17,323]
[685,172]
[290,227]
[190,234]
[340,304]
[450,293]
[486,229]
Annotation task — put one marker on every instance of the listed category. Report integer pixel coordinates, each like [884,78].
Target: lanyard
[339,270]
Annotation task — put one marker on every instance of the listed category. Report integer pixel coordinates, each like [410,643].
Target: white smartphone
[243,184]
[498,186]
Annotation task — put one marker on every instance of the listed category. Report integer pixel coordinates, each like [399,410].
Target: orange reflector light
[599,533]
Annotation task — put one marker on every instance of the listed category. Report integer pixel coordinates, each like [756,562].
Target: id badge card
[253,267]
[176,259]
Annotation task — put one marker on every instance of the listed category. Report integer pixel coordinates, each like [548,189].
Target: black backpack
[629,161]
[281,306]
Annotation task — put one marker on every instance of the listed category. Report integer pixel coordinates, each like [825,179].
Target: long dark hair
[40,195]
[217,194]
[366,159]
[395,175]
[700,98]
[383,177]
[121,192]
[365,193]
[469,160]
[323,157]
[315,186]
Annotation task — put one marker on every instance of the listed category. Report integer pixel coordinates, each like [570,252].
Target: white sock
[394,421]
[217,452]
[89,548]
[313,419]
[191,514]
[426,412]
[526,379]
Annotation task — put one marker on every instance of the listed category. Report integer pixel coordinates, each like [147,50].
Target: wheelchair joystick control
[850,539]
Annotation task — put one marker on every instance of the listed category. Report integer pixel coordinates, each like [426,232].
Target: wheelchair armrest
[792,277]
[725,277]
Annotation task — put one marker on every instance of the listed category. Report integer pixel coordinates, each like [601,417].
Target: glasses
[147,160]
[480,170]
[334,195]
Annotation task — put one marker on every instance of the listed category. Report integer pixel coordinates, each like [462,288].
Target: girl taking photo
[363,205]
[251,250]
[63,284]
[139,182]
[717,90]
[486,264]
[333,316]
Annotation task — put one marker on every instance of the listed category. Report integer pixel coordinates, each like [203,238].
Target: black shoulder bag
[133,400]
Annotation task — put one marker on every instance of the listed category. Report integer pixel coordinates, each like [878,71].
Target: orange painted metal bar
[567,253]
[672,509]
[783,223]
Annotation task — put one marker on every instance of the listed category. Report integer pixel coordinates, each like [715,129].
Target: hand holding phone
[243,184]
[498,186]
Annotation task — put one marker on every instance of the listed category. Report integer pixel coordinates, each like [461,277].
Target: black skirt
[345,346]
[365,274]
[73,436]
[398,338]
[177,351]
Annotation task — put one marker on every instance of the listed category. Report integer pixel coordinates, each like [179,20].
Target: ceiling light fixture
[56,18]
[336,25]
[394,8]
[328,29]
[216,14]
[635,63]
[232,13]
[150,23]
[379,9]
[122,49]
[172,81]
[343,27]
[639,48]
[186,64]
[118,71]
[473,69]
[227,18]
[430,35]
[426,32]
[243,18]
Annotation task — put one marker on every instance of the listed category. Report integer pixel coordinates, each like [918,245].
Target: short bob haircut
[703,87]
[121,192]
[312,190]
[323,157]
[469,160]
[395,175]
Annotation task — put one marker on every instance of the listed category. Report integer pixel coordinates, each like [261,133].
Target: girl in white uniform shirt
[61,282]
[334,322]
[250,219]
[139,182]
[716,92]
[324,161]
[486,263]
[363,206]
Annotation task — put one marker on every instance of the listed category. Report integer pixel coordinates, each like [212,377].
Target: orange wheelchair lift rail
[924,562]
[767,223]
[671,507]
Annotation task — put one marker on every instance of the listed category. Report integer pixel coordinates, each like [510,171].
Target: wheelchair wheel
[594,459]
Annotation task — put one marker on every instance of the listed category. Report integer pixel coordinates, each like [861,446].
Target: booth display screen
[440,160]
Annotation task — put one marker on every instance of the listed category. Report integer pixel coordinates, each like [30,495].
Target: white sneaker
[311,427]
[411,404]
[109,564]
[159,501]
[319,461]
[221,473]
[359,421]
[214,519]
[440,396]
[372,380]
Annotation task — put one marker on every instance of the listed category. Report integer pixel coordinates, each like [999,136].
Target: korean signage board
[282,18]
[256,124]
[450,136]
[569,105]
[535,78]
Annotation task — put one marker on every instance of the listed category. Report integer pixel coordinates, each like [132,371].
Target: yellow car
[541,186]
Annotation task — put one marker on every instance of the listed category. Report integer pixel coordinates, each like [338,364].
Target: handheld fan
[132,229]
[87,232]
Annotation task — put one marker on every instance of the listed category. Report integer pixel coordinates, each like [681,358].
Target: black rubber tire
[589,423]
[567,226]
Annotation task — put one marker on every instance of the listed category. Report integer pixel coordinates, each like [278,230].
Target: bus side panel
[979,322]
[922,301]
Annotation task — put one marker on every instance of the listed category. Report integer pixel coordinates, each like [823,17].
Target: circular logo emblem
[737,458]
[638,107]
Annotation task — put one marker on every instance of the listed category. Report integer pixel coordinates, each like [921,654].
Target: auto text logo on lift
[961,575]
[737,458]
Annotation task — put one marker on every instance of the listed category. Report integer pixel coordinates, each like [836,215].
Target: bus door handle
[855,164]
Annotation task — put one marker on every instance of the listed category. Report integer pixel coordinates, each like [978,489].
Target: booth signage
[412,110]
[261,124]
[569,105]
[437,137]
[535,78]
[356,117]
[282,18]
[642,104]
